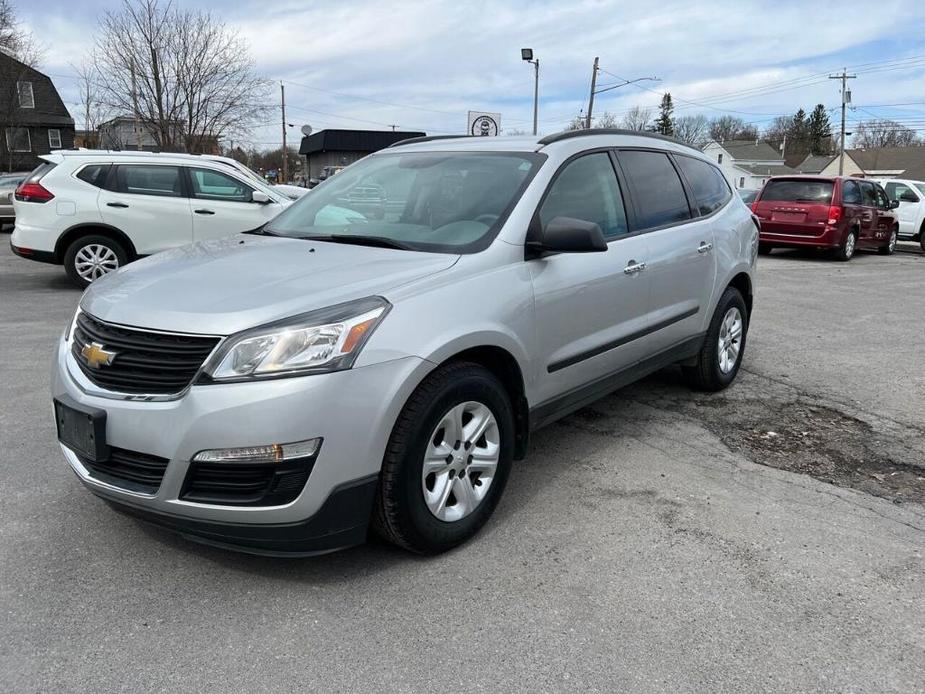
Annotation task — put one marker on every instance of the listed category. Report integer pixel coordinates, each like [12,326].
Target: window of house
[706,182]
[719,158]
[18,140]
[657,189]
[26,98]
[742,182]
[54,139]
[587,189]
[213,185]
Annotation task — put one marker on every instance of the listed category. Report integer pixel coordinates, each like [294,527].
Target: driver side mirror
[569,235]
[894,204]
[260,197]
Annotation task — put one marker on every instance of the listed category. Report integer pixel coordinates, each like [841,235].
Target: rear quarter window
[94,174]
[707,183]
[798,191]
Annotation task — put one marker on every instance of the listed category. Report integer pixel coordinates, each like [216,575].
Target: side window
[94,174]
[902,192]
[707,184]
[657,190]
[851,193]
[587,189]
[214,185]
[868,193]
[882,200]
[147,179]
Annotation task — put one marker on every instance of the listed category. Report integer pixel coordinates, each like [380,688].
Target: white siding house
[747,163]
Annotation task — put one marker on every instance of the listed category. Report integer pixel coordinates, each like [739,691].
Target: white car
[911,210]
[95,211]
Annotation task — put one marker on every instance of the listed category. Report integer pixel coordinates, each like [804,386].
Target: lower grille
[266,484]
[142,361]
[131,470]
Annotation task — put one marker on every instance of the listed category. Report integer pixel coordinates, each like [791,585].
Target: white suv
[94,211]
[911,211]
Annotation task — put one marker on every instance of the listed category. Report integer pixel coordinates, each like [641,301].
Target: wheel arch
[87,228]
[743,282]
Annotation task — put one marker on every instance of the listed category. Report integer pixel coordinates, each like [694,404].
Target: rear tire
[723,347]
[891,244]
[90,257]
[765,249]
[845,252]
[428,503]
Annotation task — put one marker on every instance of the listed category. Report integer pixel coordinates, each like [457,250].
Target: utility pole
[845,99]
[282,95]
[591,98]
[393,127]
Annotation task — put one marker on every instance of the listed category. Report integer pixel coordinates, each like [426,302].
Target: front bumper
[352,410]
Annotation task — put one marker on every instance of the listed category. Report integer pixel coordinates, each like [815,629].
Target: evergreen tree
[664,123]
[820,131]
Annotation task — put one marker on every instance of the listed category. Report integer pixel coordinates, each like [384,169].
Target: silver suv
[380,361]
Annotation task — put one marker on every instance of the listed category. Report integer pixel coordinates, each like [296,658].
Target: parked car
[111,208]
[748,195]
[278,392]
[8,184]
[837,213]
[910,211]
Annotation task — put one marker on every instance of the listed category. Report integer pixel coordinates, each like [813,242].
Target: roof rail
[585,132]
[427,138]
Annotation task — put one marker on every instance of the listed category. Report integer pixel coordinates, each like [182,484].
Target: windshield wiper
[360,240]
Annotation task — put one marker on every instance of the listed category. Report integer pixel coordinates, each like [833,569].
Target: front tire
[90,257]
[447,461]
[723,347]
[891,244]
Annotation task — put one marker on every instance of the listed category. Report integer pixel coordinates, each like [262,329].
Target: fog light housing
[271,453]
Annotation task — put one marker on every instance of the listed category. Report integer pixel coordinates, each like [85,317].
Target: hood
[223,286]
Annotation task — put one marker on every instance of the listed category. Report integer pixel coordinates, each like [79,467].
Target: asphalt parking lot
[768,538]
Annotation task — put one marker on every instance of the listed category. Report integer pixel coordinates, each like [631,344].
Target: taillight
[755,207]
[834,214]
[33,192]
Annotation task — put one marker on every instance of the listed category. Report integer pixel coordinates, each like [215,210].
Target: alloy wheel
[460,461]
[95,260]
[730,340]
[849,246]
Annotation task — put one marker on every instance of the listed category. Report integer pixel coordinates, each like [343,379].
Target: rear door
[148,203]
[223,205]
[795,206]
[681,263]
[910,204]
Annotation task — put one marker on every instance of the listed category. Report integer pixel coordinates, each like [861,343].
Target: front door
[222,205]
[148,204]
[909,203]
[588,306]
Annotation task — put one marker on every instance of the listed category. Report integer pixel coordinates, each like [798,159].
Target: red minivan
[834,212]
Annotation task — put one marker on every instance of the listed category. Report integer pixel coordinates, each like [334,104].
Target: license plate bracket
[82,429]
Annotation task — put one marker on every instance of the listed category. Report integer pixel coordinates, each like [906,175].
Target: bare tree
[182,74]
[577,123]
[514,132]
[881,132]
[694,130]
[606,120]
[731,128]
[93,106]
[637,118]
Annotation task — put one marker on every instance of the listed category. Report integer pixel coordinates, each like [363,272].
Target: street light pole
[526,54]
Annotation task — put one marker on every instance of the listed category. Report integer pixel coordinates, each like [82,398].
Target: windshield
[439,202]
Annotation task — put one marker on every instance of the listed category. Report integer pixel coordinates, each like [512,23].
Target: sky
[370,64]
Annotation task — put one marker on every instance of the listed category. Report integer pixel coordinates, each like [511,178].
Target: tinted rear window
[798,191]
[94,174]
[657,190]
[707,184]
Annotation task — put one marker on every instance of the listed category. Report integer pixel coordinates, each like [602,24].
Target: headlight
[70,326]
[326,340]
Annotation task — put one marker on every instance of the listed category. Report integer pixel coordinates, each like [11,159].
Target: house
[334,148]
[124,132]
[747,163]
[882,162]
[32,115]
[815,163]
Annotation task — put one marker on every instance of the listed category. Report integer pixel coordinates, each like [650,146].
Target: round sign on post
[484,124]
[306,130]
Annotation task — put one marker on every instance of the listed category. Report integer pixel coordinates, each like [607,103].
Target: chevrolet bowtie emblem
[96,356]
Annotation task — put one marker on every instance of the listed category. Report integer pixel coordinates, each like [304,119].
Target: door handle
[116,204]
[704,247]
[204,211]
[632,267]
